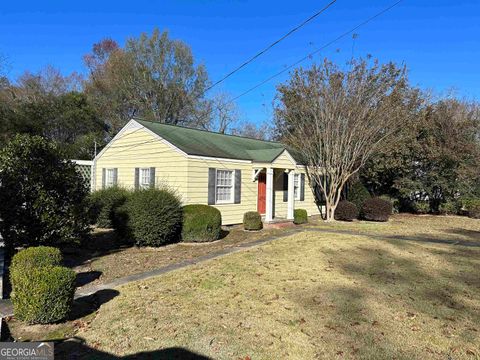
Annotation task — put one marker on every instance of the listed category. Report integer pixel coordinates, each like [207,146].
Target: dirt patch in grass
[307,296]
[104,260]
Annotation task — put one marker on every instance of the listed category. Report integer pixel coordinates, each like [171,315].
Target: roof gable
[210,144]
[285,160]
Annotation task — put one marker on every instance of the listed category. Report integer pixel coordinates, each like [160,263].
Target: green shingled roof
[211,144]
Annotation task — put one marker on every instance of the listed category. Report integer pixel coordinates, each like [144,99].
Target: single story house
[233,173]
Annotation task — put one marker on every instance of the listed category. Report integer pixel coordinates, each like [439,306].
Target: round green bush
[103,203]
[376,209]
[151,217]
[252,221]
[357,193]
[300,216]
[42,295]
[346,211]
[35,257]
[201,223]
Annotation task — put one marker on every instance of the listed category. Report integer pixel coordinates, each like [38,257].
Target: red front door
[262,192]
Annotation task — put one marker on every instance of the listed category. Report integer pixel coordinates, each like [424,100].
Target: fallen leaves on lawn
[411,316]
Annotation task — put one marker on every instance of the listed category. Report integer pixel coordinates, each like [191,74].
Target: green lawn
[312,295]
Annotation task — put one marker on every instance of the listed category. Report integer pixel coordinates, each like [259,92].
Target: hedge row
[154,217]
[469,207]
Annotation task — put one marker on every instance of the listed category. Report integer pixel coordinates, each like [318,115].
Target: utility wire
[271,45]
[318,50]
[290,66]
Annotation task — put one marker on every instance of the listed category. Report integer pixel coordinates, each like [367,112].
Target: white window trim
[297,180]
[232,194]
[140,183]
[109,180]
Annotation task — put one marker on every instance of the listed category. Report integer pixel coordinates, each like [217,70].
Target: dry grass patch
[304,297]
[451,228]
[120,262]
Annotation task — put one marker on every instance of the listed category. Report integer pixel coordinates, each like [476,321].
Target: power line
[318,50]
[271,45]
[294,64]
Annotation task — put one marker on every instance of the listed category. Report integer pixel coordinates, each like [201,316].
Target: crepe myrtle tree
[336,118]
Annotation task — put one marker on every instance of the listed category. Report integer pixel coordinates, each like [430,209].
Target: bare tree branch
[336,119]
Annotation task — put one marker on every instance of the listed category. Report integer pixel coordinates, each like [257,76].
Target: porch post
[291,195]
[269,196]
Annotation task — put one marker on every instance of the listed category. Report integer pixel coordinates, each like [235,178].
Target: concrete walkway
[7,310]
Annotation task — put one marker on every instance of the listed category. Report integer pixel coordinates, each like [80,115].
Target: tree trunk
[329,211]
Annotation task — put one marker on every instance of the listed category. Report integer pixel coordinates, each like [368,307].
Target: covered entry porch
[279,187]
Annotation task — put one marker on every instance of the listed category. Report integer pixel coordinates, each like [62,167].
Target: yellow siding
[189,176]
[139,148]
[284,161]
[308,204]
[198,188]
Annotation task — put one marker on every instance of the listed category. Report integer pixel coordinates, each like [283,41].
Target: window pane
[109,179]
[296,186]
[145,177]
[224,185]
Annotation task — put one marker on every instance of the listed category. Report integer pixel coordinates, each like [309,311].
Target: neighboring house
[235,174]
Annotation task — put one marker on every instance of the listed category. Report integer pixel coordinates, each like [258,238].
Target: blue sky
[438,40]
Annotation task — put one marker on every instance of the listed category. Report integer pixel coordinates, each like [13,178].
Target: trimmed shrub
[252,221]
[42,295]
[449,208]
[376,209]
[150,217]
[201,223]
[358,194]
[36,257]
[346,211]
[103,203]
[300,216]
